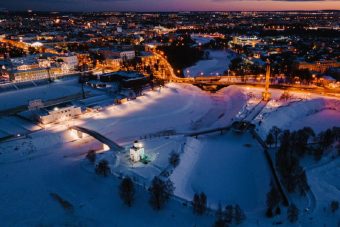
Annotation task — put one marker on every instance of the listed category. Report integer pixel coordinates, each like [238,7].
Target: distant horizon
[169,5]
[160,11]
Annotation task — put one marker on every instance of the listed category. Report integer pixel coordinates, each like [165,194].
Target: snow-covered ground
[158,150]
[301,110]
[229,168]
[26,185]
[217,64]
[325,186]
[177,107]
[16,126]
[52,161]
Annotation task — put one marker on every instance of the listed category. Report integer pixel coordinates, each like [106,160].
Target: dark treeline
[181,53]
[294,146]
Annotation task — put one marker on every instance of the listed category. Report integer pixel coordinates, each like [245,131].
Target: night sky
[167,5]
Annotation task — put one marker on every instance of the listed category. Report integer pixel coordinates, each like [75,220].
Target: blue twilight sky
[168,5]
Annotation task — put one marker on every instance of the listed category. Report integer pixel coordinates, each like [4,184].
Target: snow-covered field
[229,168]
[178,107]
[315,111]
[26,185]
[52,161]
[217,64]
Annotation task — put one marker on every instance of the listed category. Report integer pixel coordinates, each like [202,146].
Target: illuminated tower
[266,94]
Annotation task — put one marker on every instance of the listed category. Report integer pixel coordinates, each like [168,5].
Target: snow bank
[325,184]
[234,99]
[318,113]
[186,168]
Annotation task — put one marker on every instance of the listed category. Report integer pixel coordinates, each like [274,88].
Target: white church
[137,151]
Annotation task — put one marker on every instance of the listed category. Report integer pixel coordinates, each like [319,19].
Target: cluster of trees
[174,159]
[103,168]
[334,206]
[294,146]
[199,203]
[241,68]
[77,47]
[162,189]
[91,156]
[321,141]
[328,137]
[293,213]
[12,51]
[273,206]
[273,136]
[183,55]
[230,215]
[127,191]
[273,202]
[160,192]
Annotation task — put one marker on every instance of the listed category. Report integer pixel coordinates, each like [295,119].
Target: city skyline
[169,112]
[167,5]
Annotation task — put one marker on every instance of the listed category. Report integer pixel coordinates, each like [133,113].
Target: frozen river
[217,63]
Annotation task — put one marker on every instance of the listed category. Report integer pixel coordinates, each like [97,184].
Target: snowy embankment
[229,169]
[178,107]
[226,104]
[233,99]
[182,173]
[325,184]
[174,107]
[217,64]
[317,113]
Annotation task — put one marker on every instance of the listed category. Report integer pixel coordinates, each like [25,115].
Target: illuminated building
[136,152]
[246,40]
[319,66]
